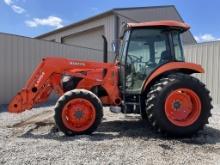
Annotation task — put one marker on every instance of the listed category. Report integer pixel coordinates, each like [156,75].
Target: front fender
[184,67]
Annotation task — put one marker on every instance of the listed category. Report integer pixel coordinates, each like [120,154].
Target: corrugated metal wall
[19,56]
[91,38]
[208,55]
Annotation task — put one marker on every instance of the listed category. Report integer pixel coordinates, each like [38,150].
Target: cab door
[143,55]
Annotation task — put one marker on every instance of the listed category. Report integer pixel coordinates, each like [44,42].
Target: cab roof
[163,23]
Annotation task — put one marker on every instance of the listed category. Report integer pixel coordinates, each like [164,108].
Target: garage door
[91,38]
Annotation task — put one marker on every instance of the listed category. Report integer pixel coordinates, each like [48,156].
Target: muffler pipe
[105,49]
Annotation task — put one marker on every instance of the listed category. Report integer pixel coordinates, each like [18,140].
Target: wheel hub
[79,114]
[176,105]
[182,107]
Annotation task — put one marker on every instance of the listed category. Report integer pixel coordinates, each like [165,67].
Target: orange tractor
[149,77]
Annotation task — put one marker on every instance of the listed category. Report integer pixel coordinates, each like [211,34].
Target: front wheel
[78,112]
[178,105]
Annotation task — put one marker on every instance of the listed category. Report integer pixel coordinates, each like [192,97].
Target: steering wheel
[134,58]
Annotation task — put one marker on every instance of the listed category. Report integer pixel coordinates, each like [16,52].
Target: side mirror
[115,48]
[114,45]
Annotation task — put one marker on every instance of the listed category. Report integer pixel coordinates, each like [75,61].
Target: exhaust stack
[105,49]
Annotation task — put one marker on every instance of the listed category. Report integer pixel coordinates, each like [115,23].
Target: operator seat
[165,57]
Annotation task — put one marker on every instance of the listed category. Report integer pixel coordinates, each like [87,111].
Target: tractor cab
[144,48]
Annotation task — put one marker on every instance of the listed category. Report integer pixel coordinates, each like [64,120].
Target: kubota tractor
[149,77]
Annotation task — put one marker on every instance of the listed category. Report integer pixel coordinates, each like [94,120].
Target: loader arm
[46,78]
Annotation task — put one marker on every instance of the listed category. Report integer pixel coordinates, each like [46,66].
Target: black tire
[155,104]
[73,94]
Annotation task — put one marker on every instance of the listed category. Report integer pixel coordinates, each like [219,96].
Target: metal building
[88,32]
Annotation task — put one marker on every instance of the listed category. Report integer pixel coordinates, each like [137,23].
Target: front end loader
[149,77]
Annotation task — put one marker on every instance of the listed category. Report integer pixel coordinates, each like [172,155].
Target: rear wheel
[78,112]
[178,105]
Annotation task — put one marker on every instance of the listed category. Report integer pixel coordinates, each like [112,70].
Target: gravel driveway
[32,138]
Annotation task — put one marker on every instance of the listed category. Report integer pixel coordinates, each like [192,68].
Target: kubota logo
[77,63]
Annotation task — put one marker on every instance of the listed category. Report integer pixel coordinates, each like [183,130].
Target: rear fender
[182,67]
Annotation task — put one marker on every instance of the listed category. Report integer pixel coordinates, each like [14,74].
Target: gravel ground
[32,138]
